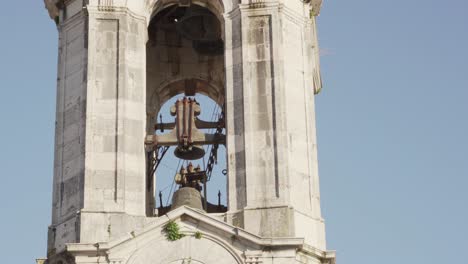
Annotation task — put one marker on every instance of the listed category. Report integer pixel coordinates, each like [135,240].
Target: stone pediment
[219,243]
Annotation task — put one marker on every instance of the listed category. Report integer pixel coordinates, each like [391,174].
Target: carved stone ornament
[51,6]
[316,5]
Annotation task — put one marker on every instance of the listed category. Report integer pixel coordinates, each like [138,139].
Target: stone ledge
[102,249]
[200,216]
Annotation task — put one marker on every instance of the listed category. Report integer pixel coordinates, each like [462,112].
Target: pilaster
[99,175]
[273,174]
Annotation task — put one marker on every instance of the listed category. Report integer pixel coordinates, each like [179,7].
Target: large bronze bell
[189,153]
[186,134]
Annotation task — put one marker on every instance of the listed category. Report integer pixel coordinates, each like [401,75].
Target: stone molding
[54,6]
[291,14]
[200,216]
[327,257]
[252,257]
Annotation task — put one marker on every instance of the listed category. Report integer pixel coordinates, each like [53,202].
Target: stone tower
[119,62]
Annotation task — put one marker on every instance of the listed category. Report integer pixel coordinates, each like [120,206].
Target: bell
[187,197]
[189,153]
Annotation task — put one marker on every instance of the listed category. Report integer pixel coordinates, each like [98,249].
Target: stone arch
[207,250]
[215,6]
[172,59]
[173,87]
[185,52]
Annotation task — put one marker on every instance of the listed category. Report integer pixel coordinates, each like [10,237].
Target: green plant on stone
[198,235]
[172,231]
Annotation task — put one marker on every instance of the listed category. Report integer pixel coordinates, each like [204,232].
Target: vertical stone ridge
[117,100]
[274,112]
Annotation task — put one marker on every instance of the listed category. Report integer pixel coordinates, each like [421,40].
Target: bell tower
[120,64]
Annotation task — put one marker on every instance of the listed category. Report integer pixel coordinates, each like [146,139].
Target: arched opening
[185,64]
[208,249]
[170,165]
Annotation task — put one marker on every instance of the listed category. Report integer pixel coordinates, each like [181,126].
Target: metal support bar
[154,159]
[205,205]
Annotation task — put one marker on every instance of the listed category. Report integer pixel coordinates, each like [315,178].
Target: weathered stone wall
[116,113]
[299,67]
[116,122]
[273,175]
[234,109]
[70,133]
[101,121]
[204,239]
[112,80]
[171,59]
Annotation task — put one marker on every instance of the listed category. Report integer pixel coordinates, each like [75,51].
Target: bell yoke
[186,134]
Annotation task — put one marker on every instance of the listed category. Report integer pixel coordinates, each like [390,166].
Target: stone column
[234,113]
[70,128]
[116,116]
[272,75]
[99,175]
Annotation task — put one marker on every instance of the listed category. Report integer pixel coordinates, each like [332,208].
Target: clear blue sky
[392,127]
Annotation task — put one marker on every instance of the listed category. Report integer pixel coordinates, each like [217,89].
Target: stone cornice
[115,10]
[327,257]
[54,6]
[206,219]
[313,5]
[102,249]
